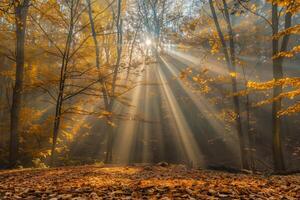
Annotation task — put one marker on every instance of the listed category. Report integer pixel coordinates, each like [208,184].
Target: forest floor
[148,182]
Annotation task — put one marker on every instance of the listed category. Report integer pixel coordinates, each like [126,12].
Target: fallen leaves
[150,182]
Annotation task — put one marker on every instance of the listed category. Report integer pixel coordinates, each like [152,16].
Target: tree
[230,61]
[21,10]
[277,75]
[119,25]
[153,13]
[279,52]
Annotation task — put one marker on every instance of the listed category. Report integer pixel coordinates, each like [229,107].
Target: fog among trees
[203,83]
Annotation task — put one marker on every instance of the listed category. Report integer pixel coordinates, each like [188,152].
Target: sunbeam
[183,130]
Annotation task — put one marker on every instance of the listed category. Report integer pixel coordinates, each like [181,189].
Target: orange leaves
[150,182]
[288,54]
[294,83]
[233,74]
[105,114]
[292,6]
[290,110]
[108,116]
[185,73]
[8,74]
[111,123]
[293,30]
[215,43]
[284,3]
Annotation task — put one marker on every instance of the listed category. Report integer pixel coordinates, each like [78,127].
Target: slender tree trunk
[109,146]
[56,127]
[235,98]
[97,51]
[102,82]
[250,144]
[278,159]
[109,149]
[21,11]
[63,77]
[231,68]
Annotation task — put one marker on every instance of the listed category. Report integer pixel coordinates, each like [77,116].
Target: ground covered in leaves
[150,182]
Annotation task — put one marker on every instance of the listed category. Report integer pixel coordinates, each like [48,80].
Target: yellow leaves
[288,54]
[233,74]
[105,114]
[292,6]
[215,43]
[8,74]
[260,86]
[37,162]
[108,116]
[44,154]
[240,93]
[68,136]
[185,73]
[195,79]
[293,82]
[183,47]
[283,54]
[253,8]
[227,115]
[112,124]
[290,110]
[192,26]
[293,30]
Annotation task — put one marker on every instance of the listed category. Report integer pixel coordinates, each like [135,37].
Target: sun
[148,42]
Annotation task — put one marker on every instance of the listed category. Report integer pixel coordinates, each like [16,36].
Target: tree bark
[21,11]
[278,159]
[230,61]
[110,139]
[63,77]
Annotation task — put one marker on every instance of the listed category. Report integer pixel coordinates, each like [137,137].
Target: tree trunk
[110,138]
[63,77]
[230,60]
[97,51]
[21,11]
[278,159]
[109,147]
[236,98]
[56,127]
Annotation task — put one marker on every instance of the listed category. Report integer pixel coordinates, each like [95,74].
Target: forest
[149,99]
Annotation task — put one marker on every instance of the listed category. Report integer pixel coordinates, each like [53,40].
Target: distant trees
[154,15]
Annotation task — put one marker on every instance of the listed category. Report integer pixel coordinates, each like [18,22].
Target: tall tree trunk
[231,69]
[110,139]
[234,85]
[278,159]
[21,11]
[97,52]
[63,77]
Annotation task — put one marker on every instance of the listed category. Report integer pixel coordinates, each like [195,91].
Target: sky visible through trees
[203,83]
